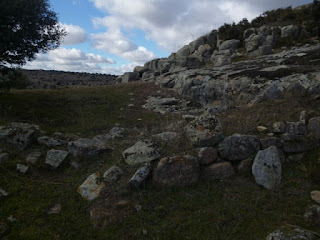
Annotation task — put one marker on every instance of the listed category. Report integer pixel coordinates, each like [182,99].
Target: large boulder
[87,147]
[229,45]
[197,43]
[238,147]
[184,52]
[204,131]
[221,58]
[164,65]
[130,77]
[267,169]
[21,135]
[141,152]
[177,171]
[55,157]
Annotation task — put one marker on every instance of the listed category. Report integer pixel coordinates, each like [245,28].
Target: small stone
[56,157]
[140,176]
[34,157]
[245,167]
[22,168]
[189,118]
[55,209]
[207,155]
[262,128]
[113,174]
[315,196]
[91,187]
[219,171]
[4,157]
[11,219]
[3,193]
[130,105]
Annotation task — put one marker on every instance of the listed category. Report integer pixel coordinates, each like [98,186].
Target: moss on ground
[220,210]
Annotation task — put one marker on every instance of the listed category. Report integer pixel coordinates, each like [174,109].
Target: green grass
[235,209]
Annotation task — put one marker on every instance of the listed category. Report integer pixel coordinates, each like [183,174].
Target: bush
[12,78]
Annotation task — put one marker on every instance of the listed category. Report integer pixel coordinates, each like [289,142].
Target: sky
[114,36]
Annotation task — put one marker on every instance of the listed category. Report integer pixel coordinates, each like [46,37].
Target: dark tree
[26,28]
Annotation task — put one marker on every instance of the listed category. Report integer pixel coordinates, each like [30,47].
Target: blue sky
[113,36]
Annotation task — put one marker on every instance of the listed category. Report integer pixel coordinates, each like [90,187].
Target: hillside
[218,141]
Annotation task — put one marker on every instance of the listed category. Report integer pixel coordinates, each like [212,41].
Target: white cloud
[75,34]
[172,24]
[70,60]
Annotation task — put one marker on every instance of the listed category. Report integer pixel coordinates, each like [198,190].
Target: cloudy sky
[113,36]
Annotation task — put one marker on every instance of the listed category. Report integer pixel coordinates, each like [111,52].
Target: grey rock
[51,142]
[116,132]
[204,131]
[164,105]
[21,135]
[212,38]
[207,155]
[91,188]
[196,44]
[166,136]
[290,232]
[3,193]
[130,77]
[267,169]
[221,58]
[270,141]
[314,127]
[248,32]
[87,147]
[177,171]
[229,45]
[141,152]
[34,157]
[296,128]
[113,174]
[238,147]
[291,31]
[312,215]
[184,52]
[140,176]
[22,168]
[4,157]
[54,157]
[164,65]
[220,171]
[265,50]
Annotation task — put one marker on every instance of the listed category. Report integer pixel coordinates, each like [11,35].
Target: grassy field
[219,210]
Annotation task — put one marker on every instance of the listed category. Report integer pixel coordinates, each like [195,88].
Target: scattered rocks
[177,171]
[91,187]
[267,169]
[55,157]
[21,135]
[113,174]
[207,155]
[34,157]
[290,232]
[3,193]
[312,215]
[220,171]
[4,157]
[238,147]
[140,176]
[204,131]
[141,152]
[315,196]
[22,168]
[87,147]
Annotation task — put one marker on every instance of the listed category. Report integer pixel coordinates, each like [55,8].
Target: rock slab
[87,147]
[91,187]
[267,169]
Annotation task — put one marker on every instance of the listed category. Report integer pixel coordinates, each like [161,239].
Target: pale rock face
[141,152]
[267,169]
[90,189]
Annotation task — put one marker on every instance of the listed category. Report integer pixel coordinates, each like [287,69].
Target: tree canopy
[26,28]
